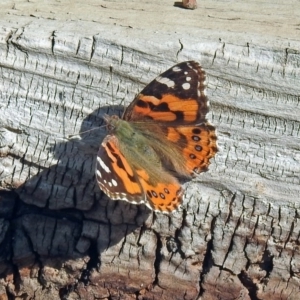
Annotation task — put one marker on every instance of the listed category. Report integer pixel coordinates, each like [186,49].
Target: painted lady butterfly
[163,136]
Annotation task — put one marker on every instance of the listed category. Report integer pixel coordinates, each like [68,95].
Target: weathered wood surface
[237,236]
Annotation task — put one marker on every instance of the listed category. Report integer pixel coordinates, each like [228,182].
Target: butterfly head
[120,128]
[111,122]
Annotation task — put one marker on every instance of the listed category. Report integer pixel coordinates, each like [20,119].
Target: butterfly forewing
[176,96]
[115,176]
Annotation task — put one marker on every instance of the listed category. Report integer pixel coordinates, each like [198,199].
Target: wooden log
[62,66]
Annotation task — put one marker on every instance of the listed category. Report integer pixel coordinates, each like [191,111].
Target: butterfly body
[162,137]
[136,145]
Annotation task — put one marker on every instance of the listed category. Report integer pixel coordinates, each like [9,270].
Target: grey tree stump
[62,66]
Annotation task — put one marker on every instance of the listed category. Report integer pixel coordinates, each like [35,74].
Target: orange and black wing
[177,96]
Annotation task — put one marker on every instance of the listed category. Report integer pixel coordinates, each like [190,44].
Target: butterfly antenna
[70,136]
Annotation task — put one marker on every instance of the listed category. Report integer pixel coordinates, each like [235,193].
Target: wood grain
[65,64]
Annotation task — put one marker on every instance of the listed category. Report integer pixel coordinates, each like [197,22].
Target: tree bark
[62,66]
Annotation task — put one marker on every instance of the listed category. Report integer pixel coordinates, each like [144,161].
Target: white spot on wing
[188,78]
[186,86]
[176,69]
[103,165]
[164,80]
[99,173]
[119,196]
[114,182]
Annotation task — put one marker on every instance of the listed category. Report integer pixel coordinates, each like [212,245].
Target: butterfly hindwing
[198,144]
[114,174]
[164,196]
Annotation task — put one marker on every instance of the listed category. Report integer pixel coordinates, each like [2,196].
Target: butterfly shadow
[60,213]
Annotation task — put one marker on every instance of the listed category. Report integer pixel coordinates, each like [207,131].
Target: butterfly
[162,138]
